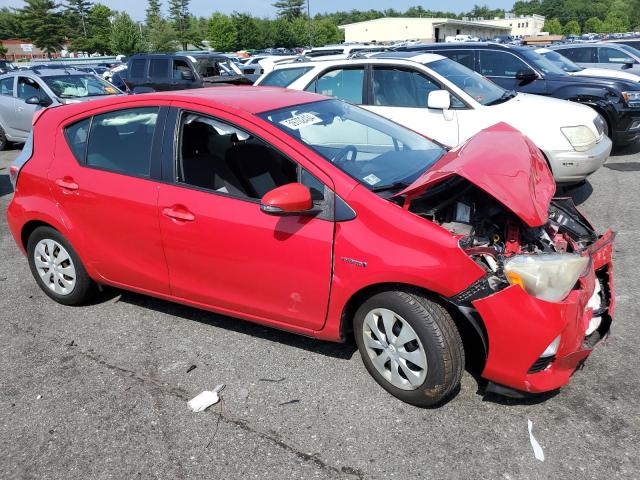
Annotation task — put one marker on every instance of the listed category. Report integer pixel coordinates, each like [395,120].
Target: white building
[400,29]
[522,26]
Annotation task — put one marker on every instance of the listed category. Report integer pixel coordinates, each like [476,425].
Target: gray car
[615,56]
[24,92]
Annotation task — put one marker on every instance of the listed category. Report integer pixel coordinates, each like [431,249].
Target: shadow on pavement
[579,193]
[5,185]
[342,351]
[624,166]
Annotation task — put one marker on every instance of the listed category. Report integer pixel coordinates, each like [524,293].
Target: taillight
[13,175]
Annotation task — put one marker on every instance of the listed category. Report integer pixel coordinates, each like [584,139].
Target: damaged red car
[314,216]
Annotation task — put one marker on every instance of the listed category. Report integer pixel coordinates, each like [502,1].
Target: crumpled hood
[505,164]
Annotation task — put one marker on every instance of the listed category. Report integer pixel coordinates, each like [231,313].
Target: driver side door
[26,88]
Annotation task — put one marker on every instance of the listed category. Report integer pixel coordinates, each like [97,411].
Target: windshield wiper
[391,186]
[505,96]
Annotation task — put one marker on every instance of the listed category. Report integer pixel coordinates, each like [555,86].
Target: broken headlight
[548,277]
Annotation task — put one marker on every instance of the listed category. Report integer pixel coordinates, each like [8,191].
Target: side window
[499,64]
[121,141]
[137,68]
[344,84]
[159,68]
[464,57]
[220,157]
[580,55]
[394,87]
[612,55]
[76,136]
[283,77]
[6,86]
[27,88]
[179,67]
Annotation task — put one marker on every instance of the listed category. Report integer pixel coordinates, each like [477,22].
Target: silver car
[24,92]
[615,56]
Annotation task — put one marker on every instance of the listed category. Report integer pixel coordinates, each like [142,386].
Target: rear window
[137,68]
[284,77]
[159,68]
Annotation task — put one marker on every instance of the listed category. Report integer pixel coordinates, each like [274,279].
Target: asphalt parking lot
[101,391]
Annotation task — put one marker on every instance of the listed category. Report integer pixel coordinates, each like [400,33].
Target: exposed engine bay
[489,232]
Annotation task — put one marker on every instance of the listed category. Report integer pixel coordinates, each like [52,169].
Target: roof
[47,72]
[418,56]
[458,45]
[249,99]
[435,21]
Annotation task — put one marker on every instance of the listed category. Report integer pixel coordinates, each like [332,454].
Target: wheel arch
[468,322]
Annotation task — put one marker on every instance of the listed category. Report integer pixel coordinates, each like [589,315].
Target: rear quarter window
[76,135]
[284,77]
[137,68]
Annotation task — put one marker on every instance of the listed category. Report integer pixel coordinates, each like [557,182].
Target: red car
[311,215]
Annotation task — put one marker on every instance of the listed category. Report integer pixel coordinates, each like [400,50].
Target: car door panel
[227,254]
[502,67]
[118,212]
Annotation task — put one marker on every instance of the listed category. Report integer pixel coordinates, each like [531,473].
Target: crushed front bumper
[520,327]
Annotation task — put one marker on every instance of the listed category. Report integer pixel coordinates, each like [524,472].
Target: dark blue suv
[523,70]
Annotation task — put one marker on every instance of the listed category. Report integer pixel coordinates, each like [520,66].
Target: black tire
[3,140]
[436,331]
[84,287]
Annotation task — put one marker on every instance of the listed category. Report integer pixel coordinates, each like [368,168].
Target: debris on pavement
[272,380]
[205,399]
[537,449]
[192,367]
[38,397]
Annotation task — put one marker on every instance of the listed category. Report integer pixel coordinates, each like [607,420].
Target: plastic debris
[537,449]
[38,397]
[204,400]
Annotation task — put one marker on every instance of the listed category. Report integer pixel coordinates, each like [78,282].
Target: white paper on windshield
[300,121]
[371,179]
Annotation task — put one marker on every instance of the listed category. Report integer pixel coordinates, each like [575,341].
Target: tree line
[87,26]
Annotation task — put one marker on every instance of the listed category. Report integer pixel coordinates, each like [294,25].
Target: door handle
[178,212]
[67,183]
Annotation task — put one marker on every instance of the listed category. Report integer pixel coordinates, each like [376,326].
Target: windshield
[375,151]
[630,49]
[546,66]
[472,83]
[207,67]
[563,62]
[79,86]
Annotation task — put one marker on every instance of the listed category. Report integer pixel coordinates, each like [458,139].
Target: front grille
[541,363]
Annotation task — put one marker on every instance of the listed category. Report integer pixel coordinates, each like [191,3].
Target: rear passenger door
[615,59]
[400,94]
[502,67]
[7,104]
[583,56]
[104,178]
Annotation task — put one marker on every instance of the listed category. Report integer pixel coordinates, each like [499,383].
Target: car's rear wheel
[57,268]
[410,345]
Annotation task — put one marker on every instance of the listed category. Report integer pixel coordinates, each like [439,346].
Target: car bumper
[570,166]
[628,128]
[520,327]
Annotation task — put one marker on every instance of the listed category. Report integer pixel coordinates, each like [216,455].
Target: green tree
[615,23]
[290,9]
[222,33]
[179,15]
[161,37]
[125,35]
[43,23]
[485,12]
[10,25]
[79,11]
[247,30]
[153,11]
[553,26]
[593,25]
[99,25]
[572,28]
[3,50]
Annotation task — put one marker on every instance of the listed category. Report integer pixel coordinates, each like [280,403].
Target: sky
[263,8]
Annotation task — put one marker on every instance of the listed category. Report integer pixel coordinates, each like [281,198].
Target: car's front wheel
[410,345]
[57,268]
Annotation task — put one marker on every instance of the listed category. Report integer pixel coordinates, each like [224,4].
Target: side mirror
[35,100]
[526,75]
[289,199]
[626,61]
[439,100]
[188,75]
